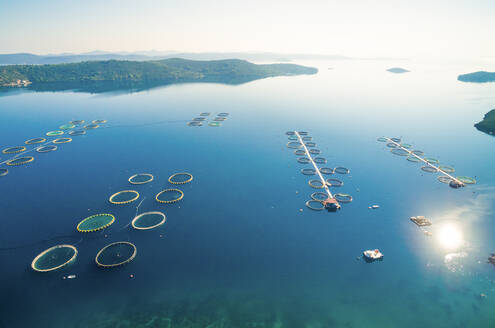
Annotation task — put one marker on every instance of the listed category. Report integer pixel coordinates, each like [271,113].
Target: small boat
[375,207]
[372,255]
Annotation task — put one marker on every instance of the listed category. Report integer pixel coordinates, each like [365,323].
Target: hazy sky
[391,28]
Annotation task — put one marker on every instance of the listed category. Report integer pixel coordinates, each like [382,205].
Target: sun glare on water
[450,237]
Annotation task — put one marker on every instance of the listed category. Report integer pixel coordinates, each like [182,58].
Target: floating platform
[420,221]
[372,255]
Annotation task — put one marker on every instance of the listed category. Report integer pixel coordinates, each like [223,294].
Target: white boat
[374,254]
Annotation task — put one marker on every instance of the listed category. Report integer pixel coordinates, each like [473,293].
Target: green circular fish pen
[95,222]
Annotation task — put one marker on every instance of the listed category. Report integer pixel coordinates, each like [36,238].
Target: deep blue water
[238,251]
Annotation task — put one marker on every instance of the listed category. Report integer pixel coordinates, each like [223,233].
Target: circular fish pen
[95,222]
[14,150]
[219,119]
[54,258]
[194,123]
[46,149]
[34,141]
[294,144]
[169,196]
[223,114]
[466,180]
[319,196]
[314,151]
[290,133]
[395,139]
[99,121]
[116,254]
[446,168]
[124,197]
[315,205]
[320,160]
[310,144]
[303,160]
[342,170]
[77,122]
[293,137]
[3,172]
[405,145]
[205,114]
[343,198]
[418,152]
[332,182]
[431,160]
[413,159]
[303,133]
[141,178]
[214,124]
[180,178]
[399,152]
[317,184]
[62,140]
[198,119]
[77,132]
[300,152]
[91,126]
[429,169]
[326,170]
[67,126]
[148,220]
[382,139]
[308,171]
[20,161]
[391,145]
[307,138]
[445,179]
[54,133]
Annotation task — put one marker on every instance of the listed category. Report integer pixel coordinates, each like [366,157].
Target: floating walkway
[431,164]
[319,200]
[317,170]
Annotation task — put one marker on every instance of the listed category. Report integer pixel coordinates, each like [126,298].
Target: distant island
[101,76]
[32,59]
[397,70]
[488,123]
[477,77]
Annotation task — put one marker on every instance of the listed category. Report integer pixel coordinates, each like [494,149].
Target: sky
[359,28]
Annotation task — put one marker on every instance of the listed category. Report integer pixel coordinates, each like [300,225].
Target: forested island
[477,77]
[100,76]
[397,70]
[488,123]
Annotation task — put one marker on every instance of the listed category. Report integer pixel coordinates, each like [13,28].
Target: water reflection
[450,236]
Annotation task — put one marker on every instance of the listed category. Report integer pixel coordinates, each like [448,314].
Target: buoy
[131,276]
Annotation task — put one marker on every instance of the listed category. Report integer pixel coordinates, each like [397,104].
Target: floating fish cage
[304,149]
[430,164]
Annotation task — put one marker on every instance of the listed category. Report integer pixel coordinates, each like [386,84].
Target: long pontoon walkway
[457,181]
[317,169]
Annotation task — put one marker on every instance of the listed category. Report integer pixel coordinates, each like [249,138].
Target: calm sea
[241,249]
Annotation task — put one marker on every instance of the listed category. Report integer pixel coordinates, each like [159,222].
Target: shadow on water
[121,87]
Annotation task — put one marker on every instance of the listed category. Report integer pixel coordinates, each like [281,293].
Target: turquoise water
[238,251]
